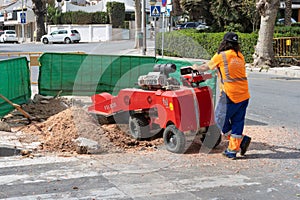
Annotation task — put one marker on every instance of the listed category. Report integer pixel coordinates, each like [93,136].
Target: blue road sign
[167,13]
[23,18]
[155,11]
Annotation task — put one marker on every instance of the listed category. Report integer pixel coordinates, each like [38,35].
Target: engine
[159,78]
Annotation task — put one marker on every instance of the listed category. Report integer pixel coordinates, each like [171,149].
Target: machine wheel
[139,126]
[212,137]
[68,40]
[45,41]
[174,139]
[102,119]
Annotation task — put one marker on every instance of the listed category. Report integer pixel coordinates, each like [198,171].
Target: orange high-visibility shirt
[232,74]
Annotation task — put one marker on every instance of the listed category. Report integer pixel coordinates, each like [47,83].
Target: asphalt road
[274,100]
[114,47]
[269,171]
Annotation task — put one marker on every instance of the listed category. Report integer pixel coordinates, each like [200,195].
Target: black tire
[102,119]
[45,41]
[139,127]
[212,138]
[67,40]
[174,139]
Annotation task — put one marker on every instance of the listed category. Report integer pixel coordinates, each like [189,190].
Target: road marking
[199,183]
[109,194]
[39,180]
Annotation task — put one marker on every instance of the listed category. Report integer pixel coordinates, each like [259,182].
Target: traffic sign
[23,18]
[167,13]
[155,11]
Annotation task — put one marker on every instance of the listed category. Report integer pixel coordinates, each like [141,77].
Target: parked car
[62,36]
[187,25]
[202,27]
[281,21]
[9,36]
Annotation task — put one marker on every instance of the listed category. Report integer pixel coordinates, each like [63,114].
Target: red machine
[163,104]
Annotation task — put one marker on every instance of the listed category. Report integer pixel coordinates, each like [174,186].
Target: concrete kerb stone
[293,71]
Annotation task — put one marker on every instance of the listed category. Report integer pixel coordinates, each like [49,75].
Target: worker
[234,94]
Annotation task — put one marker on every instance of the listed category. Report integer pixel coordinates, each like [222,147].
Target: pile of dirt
[58,123]
[40,108]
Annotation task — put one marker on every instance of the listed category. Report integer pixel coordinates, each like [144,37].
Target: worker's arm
[201,68]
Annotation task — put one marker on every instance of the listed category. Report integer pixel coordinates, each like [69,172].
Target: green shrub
[80,17]
[100,18]
[116,13]
[192,44]
[234,27]
[286,31]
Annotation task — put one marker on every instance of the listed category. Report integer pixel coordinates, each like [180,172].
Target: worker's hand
[200,68]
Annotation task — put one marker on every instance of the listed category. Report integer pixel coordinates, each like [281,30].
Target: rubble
[5,127]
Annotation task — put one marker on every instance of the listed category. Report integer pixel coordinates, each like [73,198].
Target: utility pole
[144,26]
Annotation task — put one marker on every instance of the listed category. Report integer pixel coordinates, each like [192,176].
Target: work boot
[245,144]
[229,154]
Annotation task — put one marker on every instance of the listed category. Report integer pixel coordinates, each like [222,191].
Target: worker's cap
[231,37]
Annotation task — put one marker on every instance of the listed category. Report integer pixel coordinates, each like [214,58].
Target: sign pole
[144,26]
[22,24]
[162,37]
[154,36]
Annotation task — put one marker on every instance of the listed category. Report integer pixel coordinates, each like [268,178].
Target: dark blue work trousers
[230,116]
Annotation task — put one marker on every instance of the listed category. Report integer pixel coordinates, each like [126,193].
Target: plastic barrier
[85,75]
[14,83]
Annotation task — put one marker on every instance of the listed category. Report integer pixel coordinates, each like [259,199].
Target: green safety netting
[14,83]
[85,75]
[82,74]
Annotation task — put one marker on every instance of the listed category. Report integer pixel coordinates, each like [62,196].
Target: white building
[10,17]
[93,6]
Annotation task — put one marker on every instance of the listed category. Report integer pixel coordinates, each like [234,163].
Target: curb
[293,71]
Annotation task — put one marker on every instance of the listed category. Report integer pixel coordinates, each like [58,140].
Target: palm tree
[138,23]
[40,10]
[230,12]
[195,8]
[288,12]
[264,54]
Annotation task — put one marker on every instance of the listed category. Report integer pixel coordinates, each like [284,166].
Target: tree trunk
[177,10]
[138,24]
[288,13]
[264,54]
[39,9]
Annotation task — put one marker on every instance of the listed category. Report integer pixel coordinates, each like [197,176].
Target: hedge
[80,17]
[116,13]
[192,44]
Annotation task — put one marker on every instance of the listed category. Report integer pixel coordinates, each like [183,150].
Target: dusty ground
[58,122]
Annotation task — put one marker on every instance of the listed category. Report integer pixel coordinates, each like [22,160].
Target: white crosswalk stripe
[78,178]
